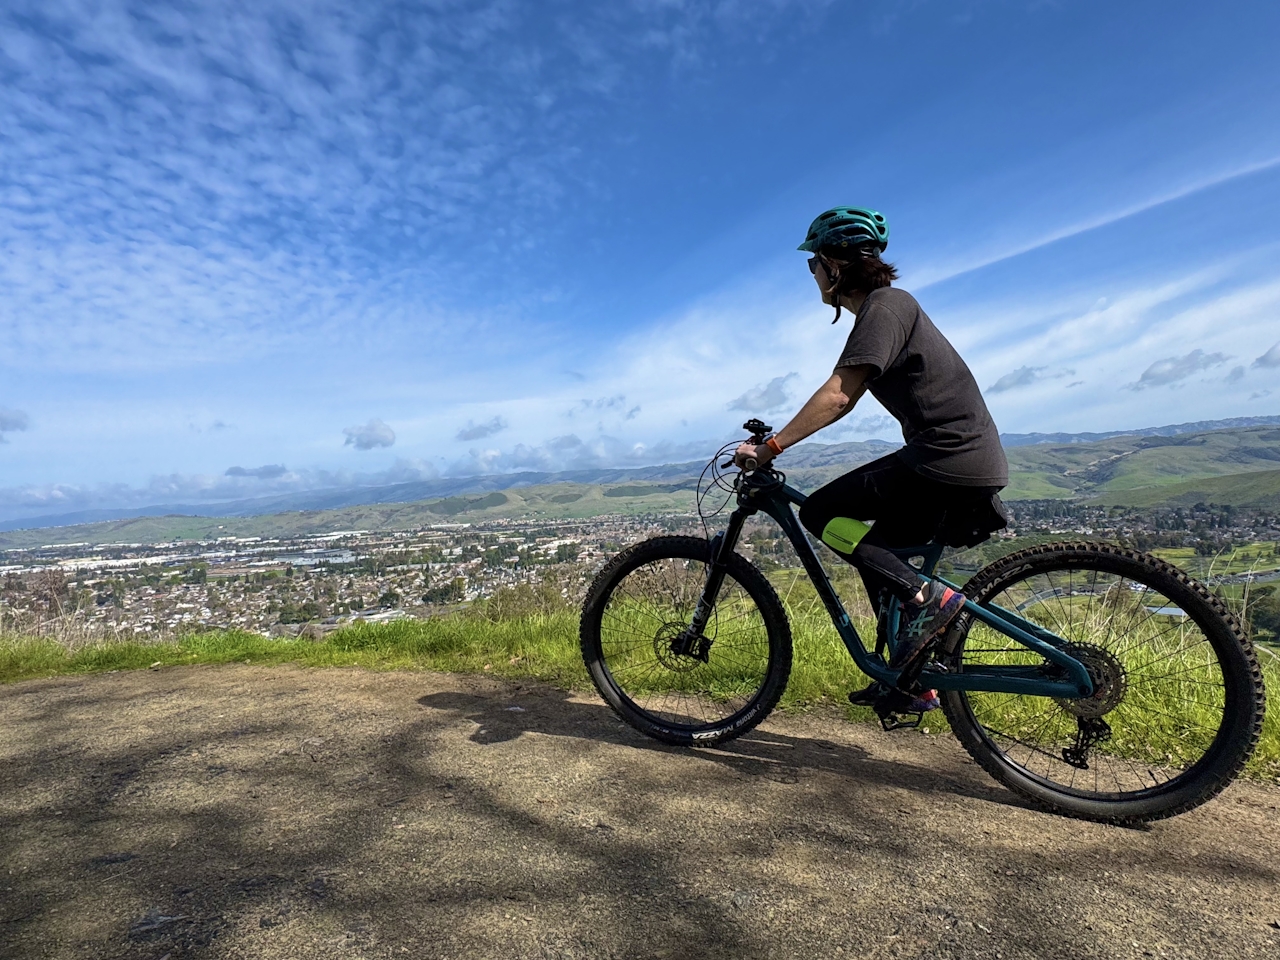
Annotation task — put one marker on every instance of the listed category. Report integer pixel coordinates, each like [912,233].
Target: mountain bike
[1094,680]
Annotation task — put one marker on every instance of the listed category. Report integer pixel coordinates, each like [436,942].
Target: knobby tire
[691,555]
[1243,695]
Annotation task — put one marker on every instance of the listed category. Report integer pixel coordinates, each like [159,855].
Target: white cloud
[478,431]
[994,253]
[222,182]
[571,452]
[1024,377]
[1223,309]
[1269,359]
[268,472]
[765,398]
[1173,370]
[369,436]
[12,421]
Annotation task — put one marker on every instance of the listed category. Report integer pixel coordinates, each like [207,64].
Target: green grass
[1256,557]
[543,646]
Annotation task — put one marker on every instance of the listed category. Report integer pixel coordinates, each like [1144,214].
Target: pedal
[898,721]
[893,708]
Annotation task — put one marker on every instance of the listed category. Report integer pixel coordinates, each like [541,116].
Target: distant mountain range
[1044,465]
[1173,430]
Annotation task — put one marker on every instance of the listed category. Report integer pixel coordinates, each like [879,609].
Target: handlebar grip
[750,464]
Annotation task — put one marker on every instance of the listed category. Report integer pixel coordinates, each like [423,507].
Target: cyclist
[942,484]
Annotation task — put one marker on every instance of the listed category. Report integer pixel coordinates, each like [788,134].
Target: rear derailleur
[1089,732]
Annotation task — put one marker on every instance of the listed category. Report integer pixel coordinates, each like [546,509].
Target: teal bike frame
[763,492]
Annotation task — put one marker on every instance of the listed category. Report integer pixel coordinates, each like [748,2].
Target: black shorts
[908,510]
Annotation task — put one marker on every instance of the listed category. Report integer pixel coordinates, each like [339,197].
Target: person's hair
[865,271]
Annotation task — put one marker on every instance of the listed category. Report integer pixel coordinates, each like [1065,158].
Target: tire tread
[1209,787]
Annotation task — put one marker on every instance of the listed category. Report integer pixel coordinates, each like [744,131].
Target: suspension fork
[722,546]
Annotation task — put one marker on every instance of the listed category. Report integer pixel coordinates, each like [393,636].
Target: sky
[252,248]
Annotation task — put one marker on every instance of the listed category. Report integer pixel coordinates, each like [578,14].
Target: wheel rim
[1160,692]
[640,631]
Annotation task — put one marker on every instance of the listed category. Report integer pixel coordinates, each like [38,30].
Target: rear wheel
[701,691]
[1178,699]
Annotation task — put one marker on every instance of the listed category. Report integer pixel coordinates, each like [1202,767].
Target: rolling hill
[1124,468]
[1238,465]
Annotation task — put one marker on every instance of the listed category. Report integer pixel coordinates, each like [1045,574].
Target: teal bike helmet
[847,227]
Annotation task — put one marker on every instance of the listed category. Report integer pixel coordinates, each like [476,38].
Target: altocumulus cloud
[478,431]
[1269,359]
[373,434]
[1171,370]
[11,421]
[268,471]
[763,399]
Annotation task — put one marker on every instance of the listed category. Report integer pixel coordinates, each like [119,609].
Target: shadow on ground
[279,813]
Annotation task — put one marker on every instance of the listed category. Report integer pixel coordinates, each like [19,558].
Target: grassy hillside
[1258,490]
[1238,466]
[1136,469]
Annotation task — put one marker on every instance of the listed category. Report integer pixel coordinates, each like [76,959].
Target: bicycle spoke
[1170,689]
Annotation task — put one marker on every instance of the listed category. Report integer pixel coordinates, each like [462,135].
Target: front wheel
[1178,698]
[678,689]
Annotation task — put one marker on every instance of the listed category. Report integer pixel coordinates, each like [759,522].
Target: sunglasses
[827,265]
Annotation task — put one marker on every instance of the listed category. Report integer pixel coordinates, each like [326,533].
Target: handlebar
[758,430]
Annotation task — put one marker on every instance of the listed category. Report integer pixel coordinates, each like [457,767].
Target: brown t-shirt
[921,380]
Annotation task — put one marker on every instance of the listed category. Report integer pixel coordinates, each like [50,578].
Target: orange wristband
[773,444]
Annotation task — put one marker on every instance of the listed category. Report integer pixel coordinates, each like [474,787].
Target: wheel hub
[1110,681]
[668,643]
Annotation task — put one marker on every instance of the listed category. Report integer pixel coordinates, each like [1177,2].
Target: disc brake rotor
[664,649]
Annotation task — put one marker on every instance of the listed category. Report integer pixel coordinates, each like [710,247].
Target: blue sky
[250,248]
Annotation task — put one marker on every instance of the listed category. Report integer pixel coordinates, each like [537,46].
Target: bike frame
[762,492]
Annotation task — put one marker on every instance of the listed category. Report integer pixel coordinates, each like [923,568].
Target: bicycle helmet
[847,227]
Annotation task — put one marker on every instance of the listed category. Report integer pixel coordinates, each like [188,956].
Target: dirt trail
[272,813]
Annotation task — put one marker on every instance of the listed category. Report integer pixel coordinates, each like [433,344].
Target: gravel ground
[272,813]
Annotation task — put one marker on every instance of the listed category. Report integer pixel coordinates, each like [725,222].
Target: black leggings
[908,510]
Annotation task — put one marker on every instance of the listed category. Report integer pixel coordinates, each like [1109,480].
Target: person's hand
[758,452]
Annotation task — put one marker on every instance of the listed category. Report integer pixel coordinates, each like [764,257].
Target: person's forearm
[833,400]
